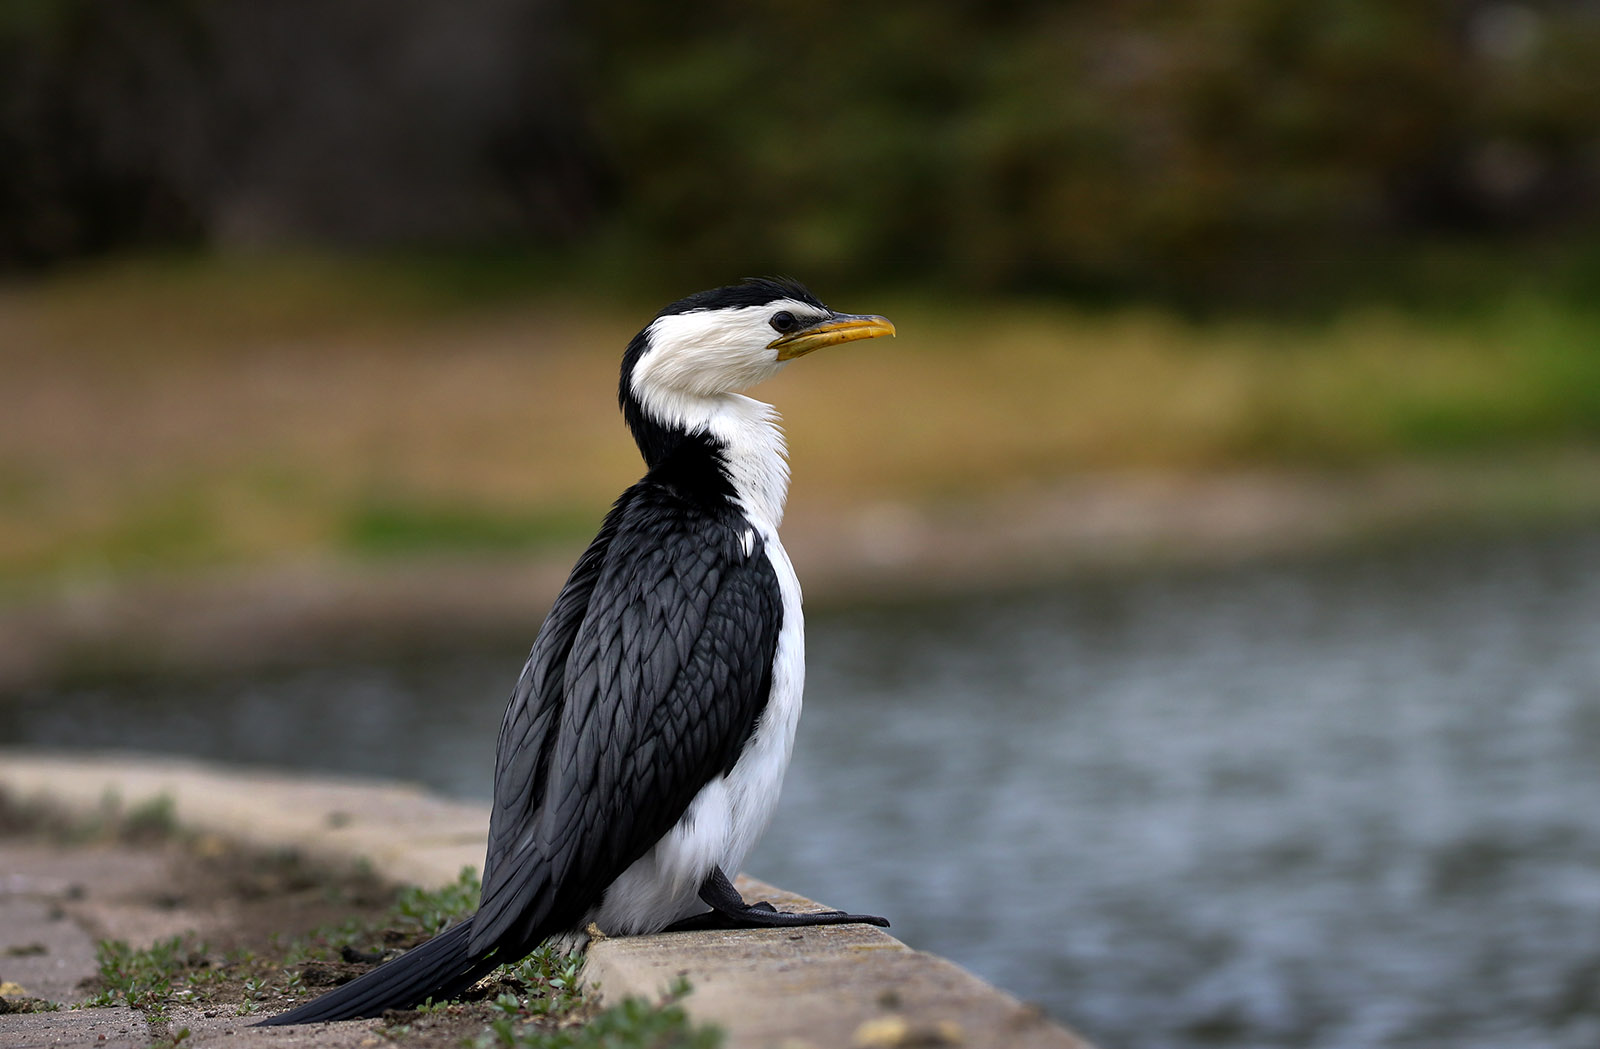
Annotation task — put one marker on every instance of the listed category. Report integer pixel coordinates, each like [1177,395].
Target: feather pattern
[647,680]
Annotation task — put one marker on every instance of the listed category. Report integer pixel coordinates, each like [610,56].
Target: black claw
[841,918]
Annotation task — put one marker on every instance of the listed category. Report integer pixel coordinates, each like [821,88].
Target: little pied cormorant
[645,743]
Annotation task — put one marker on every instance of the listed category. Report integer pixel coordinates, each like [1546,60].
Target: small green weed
[416,912]
[431,910]
[144,979]
[182,971]
[550,980]
[171,1041]
[632,1023]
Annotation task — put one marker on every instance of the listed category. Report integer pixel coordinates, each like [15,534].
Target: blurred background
[1203,590]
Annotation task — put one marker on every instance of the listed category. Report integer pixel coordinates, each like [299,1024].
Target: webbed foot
[729,911]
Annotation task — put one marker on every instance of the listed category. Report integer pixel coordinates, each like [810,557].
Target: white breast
[757,778]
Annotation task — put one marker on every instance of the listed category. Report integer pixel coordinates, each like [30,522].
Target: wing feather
[645,681]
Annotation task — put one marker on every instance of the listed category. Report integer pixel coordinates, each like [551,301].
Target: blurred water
[1344,802]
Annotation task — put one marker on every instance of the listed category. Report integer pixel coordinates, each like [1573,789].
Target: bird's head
[728,339]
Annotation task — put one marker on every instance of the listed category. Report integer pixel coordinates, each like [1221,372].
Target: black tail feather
[441,968]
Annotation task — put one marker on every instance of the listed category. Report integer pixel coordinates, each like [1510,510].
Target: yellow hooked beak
[841,327]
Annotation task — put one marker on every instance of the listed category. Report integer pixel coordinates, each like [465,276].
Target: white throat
[749,431]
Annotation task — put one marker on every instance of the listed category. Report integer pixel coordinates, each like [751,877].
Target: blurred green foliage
[1247,149]
[398,527]
[1098,145]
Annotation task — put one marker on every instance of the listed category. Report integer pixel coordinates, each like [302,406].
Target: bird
[646,739]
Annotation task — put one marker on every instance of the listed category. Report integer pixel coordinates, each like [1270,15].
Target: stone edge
[404,834]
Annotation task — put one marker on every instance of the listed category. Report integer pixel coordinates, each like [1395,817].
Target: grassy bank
[168,416]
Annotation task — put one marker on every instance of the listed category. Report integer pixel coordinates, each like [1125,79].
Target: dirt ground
[220,936]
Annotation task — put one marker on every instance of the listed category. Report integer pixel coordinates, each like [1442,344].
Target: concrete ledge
[849,985]
[846,986]
[406,834]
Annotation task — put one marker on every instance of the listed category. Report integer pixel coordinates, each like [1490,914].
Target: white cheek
[712,351]
[710,368]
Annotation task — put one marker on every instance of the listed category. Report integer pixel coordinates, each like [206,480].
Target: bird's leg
[729,911]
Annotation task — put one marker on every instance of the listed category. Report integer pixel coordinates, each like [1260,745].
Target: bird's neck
[736,436]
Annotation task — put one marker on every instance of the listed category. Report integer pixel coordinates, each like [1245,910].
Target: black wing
[645,681]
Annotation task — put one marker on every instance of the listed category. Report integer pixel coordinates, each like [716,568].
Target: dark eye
[783,321]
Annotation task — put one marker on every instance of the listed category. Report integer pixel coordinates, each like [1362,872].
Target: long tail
[440,968]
